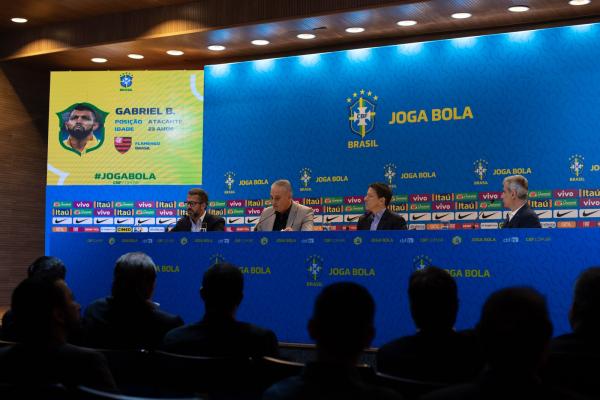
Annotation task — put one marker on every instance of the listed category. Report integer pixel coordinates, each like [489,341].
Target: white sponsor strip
[235,221]
[333,219]
[443,216]
[145,221]
[103,221]
[565,213]
[352,218]
[62,221]
[544,214]
[418,217]
[589,213]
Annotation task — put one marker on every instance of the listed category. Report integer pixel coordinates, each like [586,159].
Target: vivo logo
[83,204]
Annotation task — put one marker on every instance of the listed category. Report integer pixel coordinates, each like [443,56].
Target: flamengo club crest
[361,115]
[122,144]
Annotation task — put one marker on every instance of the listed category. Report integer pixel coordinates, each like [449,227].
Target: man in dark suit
[574,357]
[514,331]
[342,326]
[378,217]
[44,314]
[514,197]
[219,334]
[198,219]
[436,353]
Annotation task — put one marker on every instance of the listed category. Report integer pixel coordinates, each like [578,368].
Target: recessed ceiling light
[19,20]
[99,60]
[461,15]
[355,29]
[216,47]
[518,9]
[175,52]
[408,22]
[306,36]
[260,42]
[579,2]
[135,56]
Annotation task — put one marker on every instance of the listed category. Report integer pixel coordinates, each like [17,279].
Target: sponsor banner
[108,229]
[566,224]
[589,213]
[541,194]
[125,128]
[124,221]
[352,218]
[567,203]
[420,217]
[60,229]
[166,221]
[82,221]
[157,229]
[417,227]
[140,229]
[544,214]
[548,224]
[333,219]
[466,216]
[62,221]
[589,202]
[252,220]
[488,225]
[318,219]
[145,221]
[565,214]
[490,215]
[83,213]
[235,220]
[564,193]
[443,216]
[104,221]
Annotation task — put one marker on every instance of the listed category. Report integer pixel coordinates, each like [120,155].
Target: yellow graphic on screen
[122,128]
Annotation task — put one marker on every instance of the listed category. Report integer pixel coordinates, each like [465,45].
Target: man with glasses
[198,220]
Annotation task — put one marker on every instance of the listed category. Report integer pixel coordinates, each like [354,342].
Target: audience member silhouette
[436,352]
[44,313]
[45,267]
[574,357]
[515,331]
[129,318]
[342,326]
[219,333]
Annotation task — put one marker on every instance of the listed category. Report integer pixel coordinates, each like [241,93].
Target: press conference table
[284,271]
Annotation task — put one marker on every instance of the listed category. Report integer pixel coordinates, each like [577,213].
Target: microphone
[481,212]
[261,222]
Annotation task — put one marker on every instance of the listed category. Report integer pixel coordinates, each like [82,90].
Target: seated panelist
[378,217]
[285,214]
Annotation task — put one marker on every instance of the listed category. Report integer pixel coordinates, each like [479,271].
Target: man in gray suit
[285,214]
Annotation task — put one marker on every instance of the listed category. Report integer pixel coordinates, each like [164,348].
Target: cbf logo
[389,172]
[305,177]
[314,267]
[480,170]
[216,259]
[361,114]
[126,81]
[229,181]
[421,262]
[576,167]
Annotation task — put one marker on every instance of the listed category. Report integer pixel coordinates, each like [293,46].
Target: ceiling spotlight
[216,47]
[579,2]
[175,52]
[518,9]
[355,29]
[306,36]
[461,15]
[135,56]
[260,42]
[99,60]
[19,20]
[407,22]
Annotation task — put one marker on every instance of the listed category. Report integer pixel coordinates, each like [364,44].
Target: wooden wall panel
[23,142]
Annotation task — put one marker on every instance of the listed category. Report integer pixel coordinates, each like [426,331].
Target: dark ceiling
[64,34]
